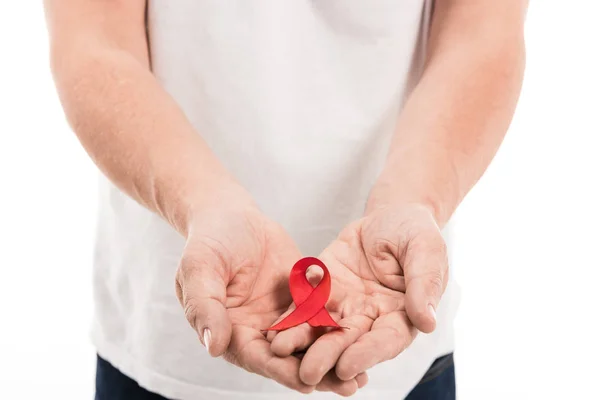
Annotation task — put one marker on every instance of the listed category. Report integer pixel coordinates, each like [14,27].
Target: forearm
[132,129]
[135,132]
[457,116]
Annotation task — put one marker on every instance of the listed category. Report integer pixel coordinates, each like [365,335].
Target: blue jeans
[437,384]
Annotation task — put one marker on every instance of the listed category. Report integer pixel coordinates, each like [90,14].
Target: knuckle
[179,290]
[186,272]
[304,389]
[190,311]
[436,279]
[345,370]
[383,249]
[431,242]
[187,269]
[232,358]
[396,345]
[430,248]
[202,255]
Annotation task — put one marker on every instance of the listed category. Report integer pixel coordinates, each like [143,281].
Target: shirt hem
[176,389]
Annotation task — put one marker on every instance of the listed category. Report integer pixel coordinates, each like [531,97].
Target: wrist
[198,196]
[389,193]
[425,175]
[219,197]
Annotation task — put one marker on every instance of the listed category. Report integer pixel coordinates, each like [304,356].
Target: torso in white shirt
[298,99]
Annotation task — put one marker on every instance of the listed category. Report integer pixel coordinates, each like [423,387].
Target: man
[239,136]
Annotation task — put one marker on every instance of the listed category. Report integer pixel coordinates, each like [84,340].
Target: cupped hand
[389,270]
[233,284]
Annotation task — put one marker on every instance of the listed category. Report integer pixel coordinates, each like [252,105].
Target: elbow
[77,74]
[507,63]
[509,56]
[86,79]
[83,78]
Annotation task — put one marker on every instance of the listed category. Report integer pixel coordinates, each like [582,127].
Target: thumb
[426,273]
[201,290]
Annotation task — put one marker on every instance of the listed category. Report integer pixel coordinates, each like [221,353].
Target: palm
[256,296]
[368,302]
[234,280]
[356,290]
[257,292]
[251,263]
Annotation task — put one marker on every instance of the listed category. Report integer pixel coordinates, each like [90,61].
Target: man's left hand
[389,270]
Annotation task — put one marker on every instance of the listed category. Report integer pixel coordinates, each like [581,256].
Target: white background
[526,250]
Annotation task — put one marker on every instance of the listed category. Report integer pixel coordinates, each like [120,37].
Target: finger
[426,271]
[331,383]
[323,354]
[272,334]
[388,337]
[362,379]
[201,291]
[250,350]
[381,256]
[296,339]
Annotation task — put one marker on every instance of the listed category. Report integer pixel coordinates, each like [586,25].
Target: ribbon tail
[323,318]
[301,314]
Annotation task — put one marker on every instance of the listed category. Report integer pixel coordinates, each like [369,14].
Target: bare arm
[133,130]
[446,136]
[140,139]
[457,116]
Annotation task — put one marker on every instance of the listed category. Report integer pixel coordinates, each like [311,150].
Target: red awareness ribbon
[310,301]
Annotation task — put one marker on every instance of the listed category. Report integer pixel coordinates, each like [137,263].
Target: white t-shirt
[298,99]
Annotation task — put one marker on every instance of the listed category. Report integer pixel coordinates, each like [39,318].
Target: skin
[372,263]
[392,264]
[232,281]
[232,277]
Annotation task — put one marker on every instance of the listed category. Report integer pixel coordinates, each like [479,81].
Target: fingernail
[431,312]
[206,336]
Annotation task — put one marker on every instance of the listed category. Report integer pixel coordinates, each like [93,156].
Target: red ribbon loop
[310,302]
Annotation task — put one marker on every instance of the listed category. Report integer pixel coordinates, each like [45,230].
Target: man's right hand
[233,284]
